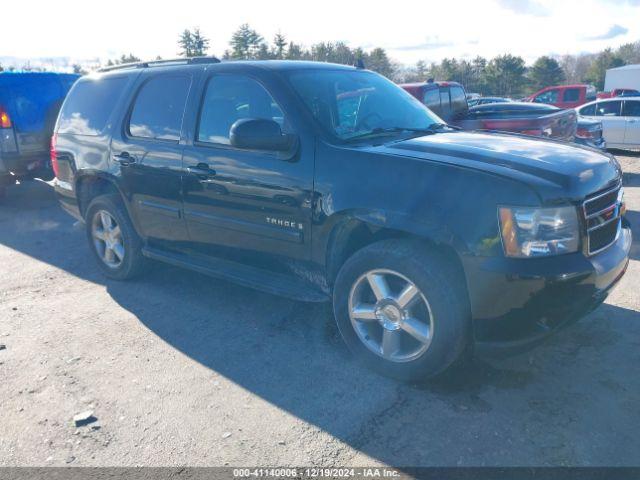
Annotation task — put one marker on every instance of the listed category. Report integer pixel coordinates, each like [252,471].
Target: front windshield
[359,104]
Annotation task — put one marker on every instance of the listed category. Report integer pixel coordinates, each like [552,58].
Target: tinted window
[608,109]
[589,110]
[89,105]
[458,100]
[432,98]
[631,108]
[550,96]
[231,97]
[159,107]
[445,103]
[572,95]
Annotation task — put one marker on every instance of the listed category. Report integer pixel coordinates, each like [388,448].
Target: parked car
[429,241]
[485,100]
[619,92]
[29,105]
[590,133]
[525,118]
[564,96]
[448,100]
[620,118]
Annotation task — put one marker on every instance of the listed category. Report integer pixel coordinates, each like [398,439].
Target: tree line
[503,75]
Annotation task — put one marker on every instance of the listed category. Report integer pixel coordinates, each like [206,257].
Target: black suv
[325,182]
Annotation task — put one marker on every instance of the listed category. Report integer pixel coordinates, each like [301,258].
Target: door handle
[124,158]
[201,170]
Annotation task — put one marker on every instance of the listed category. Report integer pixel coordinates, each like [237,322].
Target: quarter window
[89,105]
[608,109]
[229,98]
[159,107]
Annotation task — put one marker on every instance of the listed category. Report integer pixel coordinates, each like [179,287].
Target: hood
[554,169]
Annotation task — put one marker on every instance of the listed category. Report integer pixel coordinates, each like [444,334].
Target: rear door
[148,153]
[613,123]
[631,113]
[571,97]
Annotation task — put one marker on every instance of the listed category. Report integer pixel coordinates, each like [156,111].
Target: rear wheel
[402,309]
[112,238]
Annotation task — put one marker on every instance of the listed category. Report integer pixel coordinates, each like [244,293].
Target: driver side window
[229,98]
[550,96]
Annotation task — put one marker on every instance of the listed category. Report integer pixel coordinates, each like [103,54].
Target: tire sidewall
[129,238]
[450,318]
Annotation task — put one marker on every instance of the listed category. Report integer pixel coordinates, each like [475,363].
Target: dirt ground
[180,369]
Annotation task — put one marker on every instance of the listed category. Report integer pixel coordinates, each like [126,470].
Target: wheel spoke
[390,342]
[364,312]
[115,230]
[407,295]
[105,219]
[99,234]
[118,249]
[109,256]
[417,329]
[379,285]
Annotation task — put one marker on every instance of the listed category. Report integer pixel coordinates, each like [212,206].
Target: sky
[410,30]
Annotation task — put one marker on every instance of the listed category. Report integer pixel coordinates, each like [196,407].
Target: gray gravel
[178,369]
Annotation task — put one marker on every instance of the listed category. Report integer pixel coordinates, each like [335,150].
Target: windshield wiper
[439,126]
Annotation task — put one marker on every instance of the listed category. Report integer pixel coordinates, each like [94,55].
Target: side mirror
[259,134]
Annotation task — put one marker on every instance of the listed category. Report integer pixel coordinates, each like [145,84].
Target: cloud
[525,7]
[429,44]
[614,31]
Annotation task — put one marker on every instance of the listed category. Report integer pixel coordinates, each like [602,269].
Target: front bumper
[516,303]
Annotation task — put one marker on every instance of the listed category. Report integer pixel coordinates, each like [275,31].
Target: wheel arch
[352,231]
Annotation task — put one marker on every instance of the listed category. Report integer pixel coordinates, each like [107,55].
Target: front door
[149,154]
[246,200]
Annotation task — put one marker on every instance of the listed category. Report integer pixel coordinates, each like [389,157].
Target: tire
[428,335]
[127,261]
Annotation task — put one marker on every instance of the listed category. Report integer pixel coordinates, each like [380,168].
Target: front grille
[602,218]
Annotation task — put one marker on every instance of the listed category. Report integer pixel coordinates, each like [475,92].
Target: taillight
[585,133]
[5,119]
[54,155]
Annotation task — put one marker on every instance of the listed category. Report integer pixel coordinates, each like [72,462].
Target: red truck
[448,101]
[619,92]
[564,96]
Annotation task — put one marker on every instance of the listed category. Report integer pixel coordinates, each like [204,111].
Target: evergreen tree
[544,72]
[245,43]
[280,43]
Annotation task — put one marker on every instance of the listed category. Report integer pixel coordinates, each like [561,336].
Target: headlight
[539,232]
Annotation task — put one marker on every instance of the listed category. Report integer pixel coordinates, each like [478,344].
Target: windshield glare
[350,104]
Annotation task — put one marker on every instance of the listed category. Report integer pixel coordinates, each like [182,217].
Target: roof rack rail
[159,63]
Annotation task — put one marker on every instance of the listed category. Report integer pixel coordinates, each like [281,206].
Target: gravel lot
[180,369]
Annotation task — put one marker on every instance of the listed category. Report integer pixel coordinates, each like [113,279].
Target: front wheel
[113,239]
[402,309]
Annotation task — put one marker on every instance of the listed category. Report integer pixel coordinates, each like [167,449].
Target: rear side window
[458,101]
[572,95]
[445,103]
[432,98]
[88,107]
[608,109]
[159,107]
[589,110]
[631,108]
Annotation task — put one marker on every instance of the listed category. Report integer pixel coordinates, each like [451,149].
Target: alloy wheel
[107,239]
[390,315]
